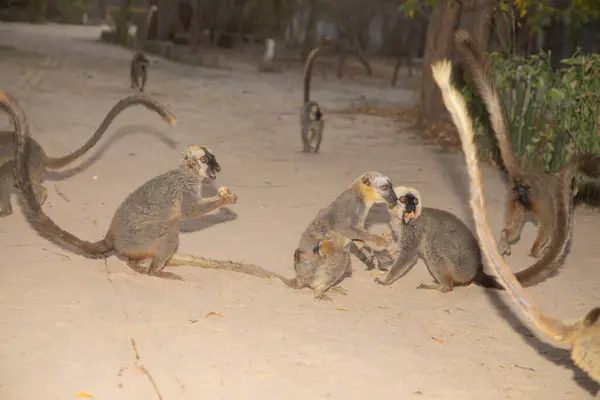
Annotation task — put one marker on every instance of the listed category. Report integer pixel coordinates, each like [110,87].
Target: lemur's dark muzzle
[214,165]
[318,114]
[390,196]
[410,209]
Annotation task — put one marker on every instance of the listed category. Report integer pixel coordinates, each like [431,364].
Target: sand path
[67,323]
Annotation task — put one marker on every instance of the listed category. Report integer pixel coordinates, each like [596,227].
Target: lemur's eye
[203,159]
[384,187]
[416,201]
[402,199]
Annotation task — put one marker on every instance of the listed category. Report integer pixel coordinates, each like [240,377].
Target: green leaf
[556,94]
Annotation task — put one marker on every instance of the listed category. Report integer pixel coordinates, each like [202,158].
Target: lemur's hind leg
[165,248]
[144,73]
[305,143]
[319,140]
[133,74]
[329,273]
[136,266]
[441,270]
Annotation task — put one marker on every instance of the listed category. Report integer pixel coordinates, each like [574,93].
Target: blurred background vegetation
[544,53]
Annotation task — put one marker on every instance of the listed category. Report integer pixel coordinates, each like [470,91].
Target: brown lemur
[146,224]
[139,65]
[582,334]
[341,225]
[311,114]
[39,162]
[440,238]
[530,189]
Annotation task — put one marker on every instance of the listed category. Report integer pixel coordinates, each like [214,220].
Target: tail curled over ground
[484,82]
[582,334]
[209,263]
[42,223]
[310,62]
[122,105]
[551,261]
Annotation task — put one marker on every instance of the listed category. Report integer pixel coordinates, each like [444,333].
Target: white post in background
[269,50]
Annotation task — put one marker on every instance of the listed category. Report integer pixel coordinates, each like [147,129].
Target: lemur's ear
[367,179]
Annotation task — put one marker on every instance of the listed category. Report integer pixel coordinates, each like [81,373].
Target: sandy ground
[71,325]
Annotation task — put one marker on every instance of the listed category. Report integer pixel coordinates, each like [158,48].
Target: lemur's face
[408,207]
[382,186]
[316,114]
[203,160]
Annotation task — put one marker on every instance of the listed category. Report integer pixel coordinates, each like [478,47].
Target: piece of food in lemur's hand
[139,65]
[582,334]
[146,224]
[531,190]
[39,162]
[441,239]
[341,225]
[311,114]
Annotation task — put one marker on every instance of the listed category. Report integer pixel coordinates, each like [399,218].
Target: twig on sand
[142,368]
[58,192]
[58,254]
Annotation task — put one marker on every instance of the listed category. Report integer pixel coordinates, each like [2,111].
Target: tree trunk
[123,21]
[142,33]
[196,28]
[214,20]
[350,25]
[39,11]
[350,47]
[523,37]
[166,12]
[476,17]
[438,45]
[503,37]
[408,41]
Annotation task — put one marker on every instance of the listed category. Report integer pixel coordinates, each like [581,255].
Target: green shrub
[551,114]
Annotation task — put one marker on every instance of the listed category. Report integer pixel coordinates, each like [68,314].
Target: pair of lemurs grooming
[582,334]
[139,65]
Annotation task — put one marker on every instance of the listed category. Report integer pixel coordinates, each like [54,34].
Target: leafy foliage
[409,7]
[551,115]
[536,11]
